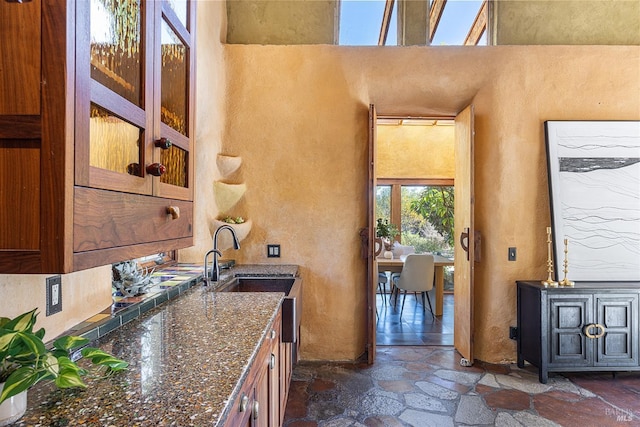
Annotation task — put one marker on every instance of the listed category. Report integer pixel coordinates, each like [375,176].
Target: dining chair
[394,288]
[417,276]
[399,251]
[382,286]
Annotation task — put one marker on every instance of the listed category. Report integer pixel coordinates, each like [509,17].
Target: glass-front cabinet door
[174,102]
[134,96]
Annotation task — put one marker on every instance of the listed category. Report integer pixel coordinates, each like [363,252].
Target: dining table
[394,265]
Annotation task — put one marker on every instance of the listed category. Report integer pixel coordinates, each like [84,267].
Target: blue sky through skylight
[360,22]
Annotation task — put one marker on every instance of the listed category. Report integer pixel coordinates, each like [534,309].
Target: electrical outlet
[273,251]
[512,254]
[513,332]
[54,295]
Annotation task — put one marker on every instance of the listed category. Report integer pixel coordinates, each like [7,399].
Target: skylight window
[361,22]
[455,23]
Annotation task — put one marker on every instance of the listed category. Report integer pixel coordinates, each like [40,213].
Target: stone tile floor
[426,386]
[416,326]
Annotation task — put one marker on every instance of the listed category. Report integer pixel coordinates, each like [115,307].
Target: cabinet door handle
[602,329]
[174,211]
[599,333]
[244,402]
[163,143]
[156,169]
[587,329]
[464,241]
[272,361]
[255,410]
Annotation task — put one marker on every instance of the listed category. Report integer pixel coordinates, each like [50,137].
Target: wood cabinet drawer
[105,219]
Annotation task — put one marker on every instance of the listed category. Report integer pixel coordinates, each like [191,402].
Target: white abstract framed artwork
[594,186]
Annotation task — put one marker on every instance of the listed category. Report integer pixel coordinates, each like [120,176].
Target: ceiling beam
[479,26]
[437,7]
[386,19]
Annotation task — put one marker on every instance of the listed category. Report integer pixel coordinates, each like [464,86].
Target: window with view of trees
[383,202]
[423,213]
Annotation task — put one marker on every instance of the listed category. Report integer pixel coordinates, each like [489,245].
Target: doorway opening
[415,170]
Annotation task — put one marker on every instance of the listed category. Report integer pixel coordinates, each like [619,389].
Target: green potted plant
[130,281]
[386,231]
[25,361]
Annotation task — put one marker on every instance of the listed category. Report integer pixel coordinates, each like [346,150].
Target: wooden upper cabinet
[96,131]
[20,76]
[134,98]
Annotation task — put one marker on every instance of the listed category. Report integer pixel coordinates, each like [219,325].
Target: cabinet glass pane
[116,47]
[174,80]
[180,8]
[175,160]
[113,143]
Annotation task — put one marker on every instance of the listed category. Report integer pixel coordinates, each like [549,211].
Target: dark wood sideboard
[590,327]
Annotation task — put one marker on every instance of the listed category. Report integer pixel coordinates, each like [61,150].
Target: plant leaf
[4,321]
[40,333]
[32,345]
[69,380]
[66,366]
[50,364]
[23,323]
[18,381]
[113,363]
[70,341]
[5,340]
[102,358]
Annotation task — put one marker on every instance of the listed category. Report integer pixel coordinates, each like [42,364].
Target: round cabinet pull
[255,410]
[174,211]
[244,402]
[133,169]
[601,333]
[587,329]
[156,169]
[600,330]
[163,143]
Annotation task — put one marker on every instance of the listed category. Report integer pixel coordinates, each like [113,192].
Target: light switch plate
[273,251]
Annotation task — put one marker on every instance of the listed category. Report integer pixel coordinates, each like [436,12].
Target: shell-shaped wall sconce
[224,237]
[228,164]
[227,195]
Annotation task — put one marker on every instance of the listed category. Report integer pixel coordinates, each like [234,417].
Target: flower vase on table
[388,246]
[387,232]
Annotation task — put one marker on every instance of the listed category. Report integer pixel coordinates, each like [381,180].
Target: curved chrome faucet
[215,271]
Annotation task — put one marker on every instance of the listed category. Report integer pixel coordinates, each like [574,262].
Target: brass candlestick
[549,282]
[565,281]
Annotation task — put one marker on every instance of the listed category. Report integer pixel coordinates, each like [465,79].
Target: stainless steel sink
[291,305]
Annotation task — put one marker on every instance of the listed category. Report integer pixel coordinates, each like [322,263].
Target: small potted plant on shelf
[25,361]
[386,232]
[130,281]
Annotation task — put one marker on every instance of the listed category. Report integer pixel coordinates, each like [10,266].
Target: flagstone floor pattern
[425,386]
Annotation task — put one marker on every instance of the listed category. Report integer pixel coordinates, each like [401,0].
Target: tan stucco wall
[298,117]
[84,294]
[566,22]
[210,117]
[415,151]
[282,21]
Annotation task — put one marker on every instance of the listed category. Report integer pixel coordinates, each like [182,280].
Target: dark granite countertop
[188,358]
